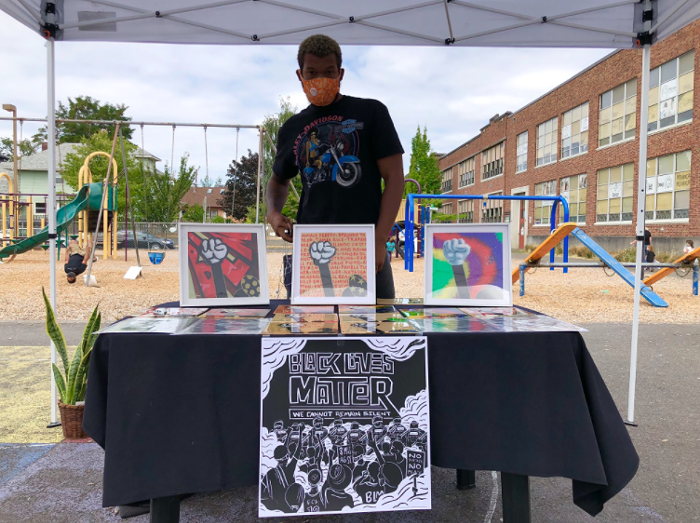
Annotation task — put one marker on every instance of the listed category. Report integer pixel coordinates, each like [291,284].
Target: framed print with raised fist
[222,265]
[333,264]
[468,264]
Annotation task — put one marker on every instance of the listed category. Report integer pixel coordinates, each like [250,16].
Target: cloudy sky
[452,91]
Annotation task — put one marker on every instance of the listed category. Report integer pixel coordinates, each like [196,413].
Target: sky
[451,91]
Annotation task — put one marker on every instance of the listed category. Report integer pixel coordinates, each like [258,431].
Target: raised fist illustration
[321,252]
[456,251]
[213,250]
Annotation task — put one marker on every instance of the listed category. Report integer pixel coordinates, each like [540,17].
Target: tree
[206,182]
[25,147]
[424,165]
[102,141]
[194,213]
[85,108]
[272,124]
[160,196]
[241,186]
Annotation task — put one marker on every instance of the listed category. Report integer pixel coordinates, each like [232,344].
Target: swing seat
[156,257]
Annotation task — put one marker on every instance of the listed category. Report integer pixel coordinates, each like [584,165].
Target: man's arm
[391,170]
[275,196]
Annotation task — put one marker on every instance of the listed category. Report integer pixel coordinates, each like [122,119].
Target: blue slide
[619,269]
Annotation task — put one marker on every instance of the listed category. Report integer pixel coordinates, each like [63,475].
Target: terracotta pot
[72,420]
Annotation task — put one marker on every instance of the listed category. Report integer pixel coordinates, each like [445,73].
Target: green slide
[89,197]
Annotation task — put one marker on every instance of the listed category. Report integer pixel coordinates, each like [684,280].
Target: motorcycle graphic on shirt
[327,151]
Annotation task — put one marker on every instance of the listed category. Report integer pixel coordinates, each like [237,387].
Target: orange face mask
[321,91]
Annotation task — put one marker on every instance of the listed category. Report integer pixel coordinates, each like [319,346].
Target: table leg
[516,498]
[165,510]
[466,479]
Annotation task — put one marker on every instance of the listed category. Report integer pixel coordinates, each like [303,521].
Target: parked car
[144,240]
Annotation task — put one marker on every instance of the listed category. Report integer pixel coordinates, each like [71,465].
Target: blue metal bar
[409,225]
[522,279]
[695,279]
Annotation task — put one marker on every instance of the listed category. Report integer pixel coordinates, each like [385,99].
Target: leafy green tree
[218,219]
[424,165]
[206,182]
[25,147]
[194,214]
[102,141]
[159,198]
[85,108]
[272,124]
[241,187]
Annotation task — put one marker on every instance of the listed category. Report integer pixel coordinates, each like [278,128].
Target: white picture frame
[454,287]
[360,274]
[199,289]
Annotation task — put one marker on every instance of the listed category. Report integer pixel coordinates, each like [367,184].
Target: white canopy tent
[475,23]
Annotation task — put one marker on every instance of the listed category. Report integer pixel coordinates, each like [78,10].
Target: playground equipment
[9,210]
[109,216]
[89,198]
[410,218]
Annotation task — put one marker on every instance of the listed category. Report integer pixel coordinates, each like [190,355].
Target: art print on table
[468,264]
[345,426]
[333,264]
[223,265]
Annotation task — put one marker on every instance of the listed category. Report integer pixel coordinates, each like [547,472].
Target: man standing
[343,147]
[74,262]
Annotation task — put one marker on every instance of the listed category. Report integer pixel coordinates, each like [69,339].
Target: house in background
[208,198]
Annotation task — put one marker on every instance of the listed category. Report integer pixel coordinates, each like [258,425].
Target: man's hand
[379,254]
[281,225]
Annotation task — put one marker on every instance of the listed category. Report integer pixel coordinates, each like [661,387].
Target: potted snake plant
[72,383]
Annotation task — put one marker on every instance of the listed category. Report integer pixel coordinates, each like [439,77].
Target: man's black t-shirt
[336,148]
[647,237]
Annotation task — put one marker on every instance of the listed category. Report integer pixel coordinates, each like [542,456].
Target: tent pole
[51,136]
[257,196]
[641,216]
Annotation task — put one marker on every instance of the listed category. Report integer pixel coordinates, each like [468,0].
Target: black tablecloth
[180,414]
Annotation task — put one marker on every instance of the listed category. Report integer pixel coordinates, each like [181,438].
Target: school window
[40,208]
[547,141]
[615,191]
[671,92]
[492,162]
[543,208]
[668,187]
[617,119]
[446,209]
[447,180]
[573,189]
[492,210]
[465,211]
[521,161]
[466,172]
[574,131]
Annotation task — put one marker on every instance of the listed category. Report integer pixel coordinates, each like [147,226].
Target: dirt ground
[582,296]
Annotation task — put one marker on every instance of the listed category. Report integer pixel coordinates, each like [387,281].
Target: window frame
[445,179]
[551,186]
[492,167]
[467,175]
[554,141]
[655,82]
[521,152]
[622,197]
[628,93]
[492,205]
[656,160]
[575,179]
[469,213]
[583,148]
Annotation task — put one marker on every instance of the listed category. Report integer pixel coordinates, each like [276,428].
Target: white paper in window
[565,194]
[651,185]
[566,132]
[615,190]
[584,123]
[669,89]
[665,183]
[668,108]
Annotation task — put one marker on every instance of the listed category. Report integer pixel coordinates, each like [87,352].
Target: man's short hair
[319,45]
[71,277]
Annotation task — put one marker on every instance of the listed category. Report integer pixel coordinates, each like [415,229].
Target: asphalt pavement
[63,482]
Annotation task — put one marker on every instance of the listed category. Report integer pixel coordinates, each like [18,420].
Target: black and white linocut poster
[344,425]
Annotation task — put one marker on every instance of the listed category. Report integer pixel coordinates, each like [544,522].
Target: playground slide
[619,269]
[547,245]
[662,273]
[89,197]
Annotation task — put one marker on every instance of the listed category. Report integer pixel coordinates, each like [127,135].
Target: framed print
[333,264]
[222,265]
[345,425]
[468,264]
